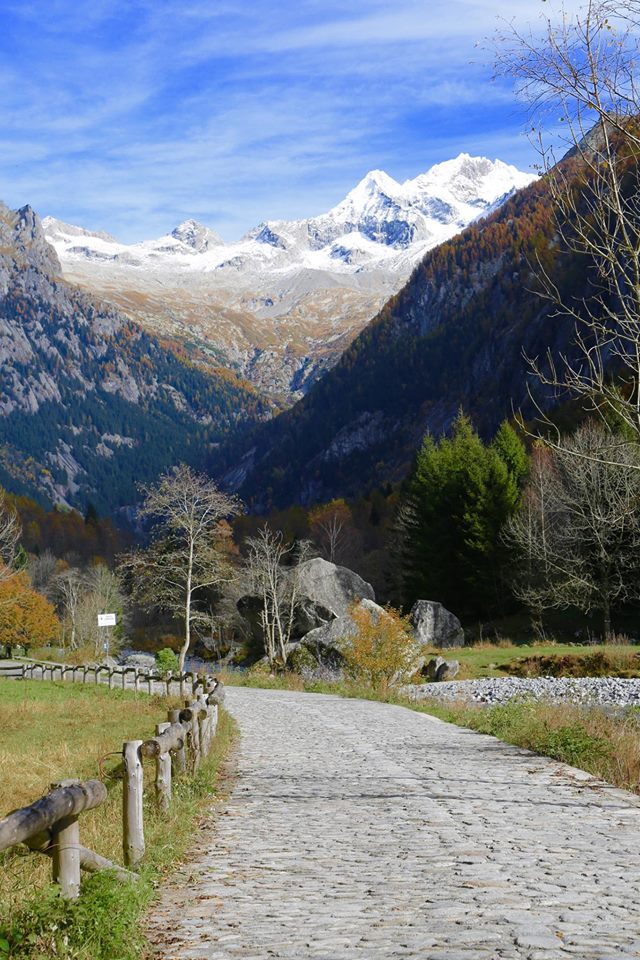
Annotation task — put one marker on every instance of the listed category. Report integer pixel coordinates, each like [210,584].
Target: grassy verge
[606,746]
[52,731]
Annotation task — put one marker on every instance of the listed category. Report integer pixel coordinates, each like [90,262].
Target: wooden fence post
[179,756]
[193,734]
[136,680]
[65,840]
[204,726]
[163,774]
[149,682]
[168,682]
[124,678]
[133,786]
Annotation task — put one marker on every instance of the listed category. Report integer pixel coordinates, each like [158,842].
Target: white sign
[106,619]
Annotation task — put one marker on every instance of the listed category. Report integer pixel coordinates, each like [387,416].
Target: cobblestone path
[367,831]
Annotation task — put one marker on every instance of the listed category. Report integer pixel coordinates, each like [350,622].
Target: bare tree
[186,556]
[68,590]
[278,587]
[577,533]
[43,571]
[329,525]
[583,68]
[101,592]
[10,533]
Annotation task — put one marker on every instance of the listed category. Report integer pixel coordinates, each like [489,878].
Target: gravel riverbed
[610,691]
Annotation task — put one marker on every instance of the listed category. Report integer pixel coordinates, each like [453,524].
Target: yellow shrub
[382,650]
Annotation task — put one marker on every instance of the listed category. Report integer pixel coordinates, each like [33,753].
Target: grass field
[52,731]
[486,659]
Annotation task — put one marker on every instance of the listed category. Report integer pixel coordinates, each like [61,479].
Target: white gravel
[610,691]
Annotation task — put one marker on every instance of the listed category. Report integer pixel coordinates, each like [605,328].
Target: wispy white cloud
[131,115]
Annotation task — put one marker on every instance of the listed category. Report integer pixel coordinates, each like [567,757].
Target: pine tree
[460,495]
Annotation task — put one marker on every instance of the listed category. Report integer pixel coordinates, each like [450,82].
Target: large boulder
[332,587]
[145,661]
[435,626]
[327,643]
[325,592]
[308,616]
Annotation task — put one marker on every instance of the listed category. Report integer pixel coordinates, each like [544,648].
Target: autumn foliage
[382,650]
[26,617]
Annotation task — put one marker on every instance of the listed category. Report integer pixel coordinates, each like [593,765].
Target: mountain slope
[90,403]
[455,335]
[280,305]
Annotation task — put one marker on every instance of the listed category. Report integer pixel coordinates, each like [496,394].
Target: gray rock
[328,642]
[447,670]
[435,626]
[439,669]
[325,591]
[332,587]
[432,666]
[145,661]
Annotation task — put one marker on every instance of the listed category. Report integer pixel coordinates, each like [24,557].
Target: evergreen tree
[513,454]
[459,496]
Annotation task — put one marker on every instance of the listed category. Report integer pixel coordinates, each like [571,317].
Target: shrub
[382,650]
[167,661]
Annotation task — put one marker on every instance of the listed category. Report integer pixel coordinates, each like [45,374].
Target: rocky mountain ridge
[456,335]
[90,403]
[280,305]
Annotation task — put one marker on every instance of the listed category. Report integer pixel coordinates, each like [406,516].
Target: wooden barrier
[50,826]
[179,744]
[182,683]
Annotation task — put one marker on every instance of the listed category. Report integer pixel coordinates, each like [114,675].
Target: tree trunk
[606,619]
[187,614]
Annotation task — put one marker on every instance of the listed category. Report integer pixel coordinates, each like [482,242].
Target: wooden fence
[135,678]
[50,825]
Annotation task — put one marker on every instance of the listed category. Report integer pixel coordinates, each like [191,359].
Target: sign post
[107,620]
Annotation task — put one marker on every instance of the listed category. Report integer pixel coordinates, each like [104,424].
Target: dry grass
[53,731]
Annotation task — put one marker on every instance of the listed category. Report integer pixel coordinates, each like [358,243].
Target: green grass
[486,660]
[50,731]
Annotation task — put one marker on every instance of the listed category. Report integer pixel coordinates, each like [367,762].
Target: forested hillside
[453,337]
[90,404]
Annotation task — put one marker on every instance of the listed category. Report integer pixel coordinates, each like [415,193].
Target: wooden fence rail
[136,678]
[50,825]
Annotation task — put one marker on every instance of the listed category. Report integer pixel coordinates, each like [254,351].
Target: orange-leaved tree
[26,618]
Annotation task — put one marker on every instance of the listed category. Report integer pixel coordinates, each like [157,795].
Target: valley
[280,305]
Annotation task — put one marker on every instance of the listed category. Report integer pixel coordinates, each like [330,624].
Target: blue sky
[131,116]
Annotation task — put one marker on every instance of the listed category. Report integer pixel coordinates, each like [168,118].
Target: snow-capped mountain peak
[196,235]
[53,227]
[467,179]
[282,301]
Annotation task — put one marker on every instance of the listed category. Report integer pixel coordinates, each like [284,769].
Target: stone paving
[368,831]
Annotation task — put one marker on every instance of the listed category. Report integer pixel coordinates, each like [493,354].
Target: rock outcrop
[325,594]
